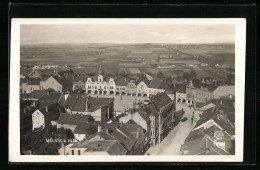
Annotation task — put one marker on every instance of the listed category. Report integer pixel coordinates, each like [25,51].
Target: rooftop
[74,119]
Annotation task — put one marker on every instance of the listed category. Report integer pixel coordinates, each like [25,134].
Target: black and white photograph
[127,90]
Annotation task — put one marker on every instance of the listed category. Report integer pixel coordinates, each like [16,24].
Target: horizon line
[126,43]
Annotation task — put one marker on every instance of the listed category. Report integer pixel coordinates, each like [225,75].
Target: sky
[90,33]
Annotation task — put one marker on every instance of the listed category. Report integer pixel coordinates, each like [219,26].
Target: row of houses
[67,81]
[201,91]
[144,85]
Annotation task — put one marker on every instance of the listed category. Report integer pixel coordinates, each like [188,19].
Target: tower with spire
[100,74]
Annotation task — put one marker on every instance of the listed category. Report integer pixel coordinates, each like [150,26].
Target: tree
[160,74]
[230,77]
[193,73]
[91,74]
[186,76]
[37,141]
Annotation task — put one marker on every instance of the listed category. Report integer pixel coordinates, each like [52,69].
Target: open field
[132,58]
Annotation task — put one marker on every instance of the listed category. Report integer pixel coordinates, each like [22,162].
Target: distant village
[117,115]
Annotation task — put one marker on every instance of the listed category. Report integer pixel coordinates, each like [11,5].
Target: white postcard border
[14,112]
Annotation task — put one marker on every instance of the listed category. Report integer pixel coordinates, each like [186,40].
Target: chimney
[48,92]
[220,102]
[46,107]
[122,123]
[99,128]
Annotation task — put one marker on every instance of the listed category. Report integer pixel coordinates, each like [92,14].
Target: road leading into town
[172,143]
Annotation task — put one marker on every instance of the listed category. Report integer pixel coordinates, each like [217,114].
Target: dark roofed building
[157,83]
[70,121]
[37,94]
[121,81]
[113,133]
[143,78]
[207,141]
[107,147]
[51,97]
[57,83]
[100,108]
[43,117]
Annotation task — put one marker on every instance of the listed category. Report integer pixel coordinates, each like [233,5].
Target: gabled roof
[182,89]
[74,119]
[143,78]
[121,81]
[87,128]
[157,83]
[37,94]
[80,78]
[79,102]
[94,103]
[112,147]
[111,133]
[34,81]
[51,98]
[224,91]
[127,132]
[53,111]
[223,121]
[62,81]
[225,101]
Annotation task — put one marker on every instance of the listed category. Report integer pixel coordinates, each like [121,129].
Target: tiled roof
[199,85]
[212,114]
[124,140]
[53,111]
[62,81]
[80,78]
[37,94]
[133,126]
[80,105]
[157,83]
[127,132]
[121,81]
[78,102]
[34,81]
[53,97]
[87,128]
[226,101]
[112,147]
[224,91]
[111,133]
[143,78]
[182,89]
[24,95]
[74,119]
[94,103]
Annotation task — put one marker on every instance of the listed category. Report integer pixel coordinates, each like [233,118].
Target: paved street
[172,143]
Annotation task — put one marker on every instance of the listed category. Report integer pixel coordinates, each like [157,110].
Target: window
[78,152]
[72,152]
